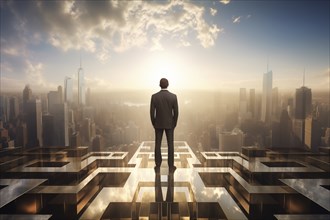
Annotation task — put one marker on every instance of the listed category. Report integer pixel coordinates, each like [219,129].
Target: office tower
[81,86]
[21,135]
[285,130]
[48,130]
[252,103]
[266,102]
[68,96]
[86,131]
[303,108]
[275,103]
[231,141]
[98,143]
[312,133]
[13,108]
[27,95]
[61,124]
[88,97]
[60,93]
[34,123]
[44,103]
[303,102]
[53,99]
[242,104]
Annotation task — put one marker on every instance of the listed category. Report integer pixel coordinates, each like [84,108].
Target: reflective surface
[61,183]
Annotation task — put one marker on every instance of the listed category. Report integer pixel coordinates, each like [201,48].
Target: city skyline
[197,45]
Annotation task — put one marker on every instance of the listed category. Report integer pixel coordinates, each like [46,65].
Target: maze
[66,183]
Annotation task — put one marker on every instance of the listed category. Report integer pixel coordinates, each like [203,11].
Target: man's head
[163,83]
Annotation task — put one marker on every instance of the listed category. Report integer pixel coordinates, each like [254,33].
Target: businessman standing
[164,114]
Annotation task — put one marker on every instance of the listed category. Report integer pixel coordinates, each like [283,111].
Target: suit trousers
[170,143]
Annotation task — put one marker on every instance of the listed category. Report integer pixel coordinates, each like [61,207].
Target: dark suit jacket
[164,110]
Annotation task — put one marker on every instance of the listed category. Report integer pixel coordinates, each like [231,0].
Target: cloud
[248,16]
[98,84]
[35,76]
[104,27]
[225,2]
[213,11]
[236,19]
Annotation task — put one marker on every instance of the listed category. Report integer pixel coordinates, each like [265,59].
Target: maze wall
[64,183]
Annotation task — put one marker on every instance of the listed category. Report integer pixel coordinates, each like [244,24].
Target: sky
[209,45]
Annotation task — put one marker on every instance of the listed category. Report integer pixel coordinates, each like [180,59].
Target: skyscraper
[27,95]
[275,103]
[252,103]
[13,108]
[303,108]
[303,102]
[34,123]
[266,102]
[68,89]
[242,104]
[61,124]
[81,86]
[60,93]
[53,99]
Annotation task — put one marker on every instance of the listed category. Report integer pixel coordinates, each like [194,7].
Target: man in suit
[164,113]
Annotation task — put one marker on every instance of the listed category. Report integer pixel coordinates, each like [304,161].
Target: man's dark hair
[163,83]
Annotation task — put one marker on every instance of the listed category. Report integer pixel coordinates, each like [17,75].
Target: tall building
[242,104]
[303,108]
[27,95]
[231,141]
[61,124]
[312,133]
[68,90]
[303,102]
[266,102]
[252,103]
[34,123]
[47,129]
[21,135]
[60,93]
[53,99]
[81,87]
[275,104]
[13,108]
[285,130]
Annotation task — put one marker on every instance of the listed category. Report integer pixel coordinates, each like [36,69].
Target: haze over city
[213,45]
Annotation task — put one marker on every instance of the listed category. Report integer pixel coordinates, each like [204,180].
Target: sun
[166,65]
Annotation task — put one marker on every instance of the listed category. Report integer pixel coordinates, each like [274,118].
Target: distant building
[275,104]
[68,89]
[285,130]
[242,105]
[98,143]
[21,135]
[252,103]
[48,130]
[303,102]
[266,102]
[34,123]
[54,98]
[81,87]
[27,96]
[61,124]
[231,141]
[13,108]
[303,108]
[312,133]
[60,93]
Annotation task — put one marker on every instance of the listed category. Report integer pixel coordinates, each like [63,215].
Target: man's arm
[152,111]
[175,112]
